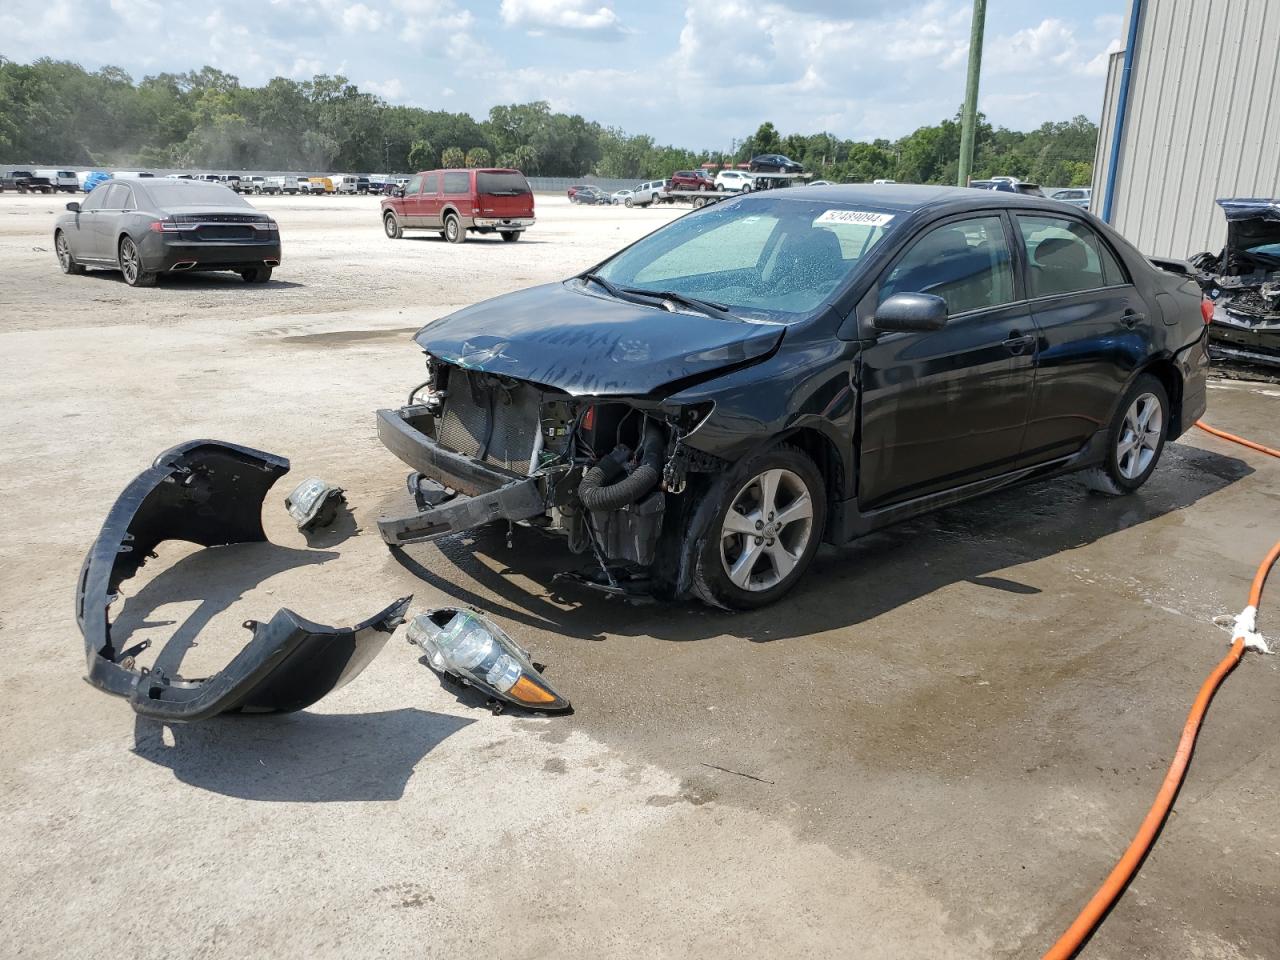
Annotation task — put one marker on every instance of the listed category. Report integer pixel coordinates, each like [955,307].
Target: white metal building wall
[1203,121]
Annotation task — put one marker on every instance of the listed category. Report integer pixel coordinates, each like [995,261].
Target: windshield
[772,258]
[501,184]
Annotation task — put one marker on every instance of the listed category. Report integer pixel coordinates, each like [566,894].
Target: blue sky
[692,72]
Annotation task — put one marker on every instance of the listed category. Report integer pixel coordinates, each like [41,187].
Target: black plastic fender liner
[211,493]
[288,665]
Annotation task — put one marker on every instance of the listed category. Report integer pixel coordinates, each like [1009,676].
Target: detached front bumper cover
[211,493]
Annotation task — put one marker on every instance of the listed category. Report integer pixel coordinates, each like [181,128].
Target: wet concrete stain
[335,337]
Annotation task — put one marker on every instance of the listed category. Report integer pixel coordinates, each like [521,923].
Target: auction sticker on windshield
[864,218]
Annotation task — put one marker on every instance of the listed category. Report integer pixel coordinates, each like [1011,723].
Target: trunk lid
[566,336]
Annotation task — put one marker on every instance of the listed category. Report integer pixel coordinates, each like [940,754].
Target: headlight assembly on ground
[475,651]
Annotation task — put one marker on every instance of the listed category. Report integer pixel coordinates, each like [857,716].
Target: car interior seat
[944,265]
[1057,264]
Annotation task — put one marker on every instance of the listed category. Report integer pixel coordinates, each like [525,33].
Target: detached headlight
[474,650]
[314,503]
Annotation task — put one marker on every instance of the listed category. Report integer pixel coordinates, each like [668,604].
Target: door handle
[1130,317]
[1017,342]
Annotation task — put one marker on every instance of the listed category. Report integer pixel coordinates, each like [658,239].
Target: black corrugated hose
[600,489]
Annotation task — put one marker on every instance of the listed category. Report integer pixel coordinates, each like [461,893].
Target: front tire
[767,527]
[510,236]
[65,260]
[130,261]
[1135,439]
[256,275]
[391,224]
[453,231]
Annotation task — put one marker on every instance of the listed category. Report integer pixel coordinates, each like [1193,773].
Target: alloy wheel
[64,253]
[1139,436]
[129,260]
[766,530]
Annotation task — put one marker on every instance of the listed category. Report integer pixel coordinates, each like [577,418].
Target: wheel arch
[1165,370]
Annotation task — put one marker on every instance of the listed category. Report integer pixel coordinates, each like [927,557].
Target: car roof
[909,198]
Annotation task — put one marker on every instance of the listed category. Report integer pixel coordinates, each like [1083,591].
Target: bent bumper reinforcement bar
[211,493]
[492,494]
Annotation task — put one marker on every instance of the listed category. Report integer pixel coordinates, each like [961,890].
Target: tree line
[56,111]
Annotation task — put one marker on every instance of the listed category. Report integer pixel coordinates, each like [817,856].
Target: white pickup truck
[288,185]
[62,180]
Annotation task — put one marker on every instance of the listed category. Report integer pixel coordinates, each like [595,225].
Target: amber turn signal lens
[526,691]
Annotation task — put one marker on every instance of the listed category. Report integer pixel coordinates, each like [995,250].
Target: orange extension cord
[1124,870]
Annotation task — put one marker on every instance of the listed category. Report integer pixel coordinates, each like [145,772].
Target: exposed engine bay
[1243,281]
[604,473]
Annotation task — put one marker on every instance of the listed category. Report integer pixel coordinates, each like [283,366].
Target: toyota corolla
[699,411]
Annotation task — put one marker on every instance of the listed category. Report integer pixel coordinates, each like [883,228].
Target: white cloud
[1097,67]
[392,89]
[562,16]
[359,17]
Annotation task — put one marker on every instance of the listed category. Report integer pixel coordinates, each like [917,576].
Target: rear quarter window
[457,183]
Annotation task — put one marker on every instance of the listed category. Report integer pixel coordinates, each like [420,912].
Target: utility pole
[969,116]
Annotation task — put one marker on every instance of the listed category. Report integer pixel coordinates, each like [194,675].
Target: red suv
[455,201]
[690,180]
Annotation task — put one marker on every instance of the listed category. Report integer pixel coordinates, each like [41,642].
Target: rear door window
[1065,256]
[966,263]
[457,183]
[431,184]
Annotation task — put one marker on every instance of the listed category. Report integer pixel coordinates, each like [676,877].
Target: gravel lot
[934,748]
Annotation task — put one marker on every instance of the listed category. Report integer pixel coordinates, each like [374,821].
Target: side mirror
[398,192]
[912,312]
[73,206]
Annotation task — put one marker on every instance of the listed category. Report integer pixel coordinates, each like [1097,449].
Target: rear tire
[784,487]
[1134,441]
[510,236]
[453,231]
[65,260]
[391,224]
[256,275]
[130,261]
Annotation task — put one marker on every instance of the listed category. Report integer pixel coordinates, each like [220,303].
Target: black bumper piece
[493,494]
[211,493]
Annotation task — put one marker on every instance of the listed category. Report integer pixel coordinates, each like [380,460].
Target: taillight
[165,226]
[1206,309]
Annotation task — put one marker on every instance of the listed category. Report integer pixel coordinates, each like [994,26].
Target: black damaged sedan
[700,411]
[146,228]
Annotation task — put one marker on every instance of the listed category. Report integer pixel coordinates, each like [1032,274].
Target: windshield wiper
[709,307]
[611,288]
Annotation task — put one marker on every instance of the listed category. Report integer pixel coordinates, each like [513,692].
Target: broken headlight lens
[474,650]
[314,503]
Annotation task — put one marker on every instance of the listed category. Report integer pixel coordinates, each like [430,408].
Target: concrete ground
[935,747]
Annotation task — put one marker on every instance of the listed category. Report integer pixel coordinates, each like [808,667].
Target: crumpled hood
[1251,223]
[589,345]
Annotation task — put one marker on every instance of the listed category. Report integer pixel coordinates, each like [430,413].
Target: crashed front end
[1243,282]
[606,473]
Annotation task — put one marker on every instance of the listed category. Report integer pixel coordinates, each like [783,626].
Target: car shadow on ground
[494,240]
[298,757]
[846,585]
[196,281]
